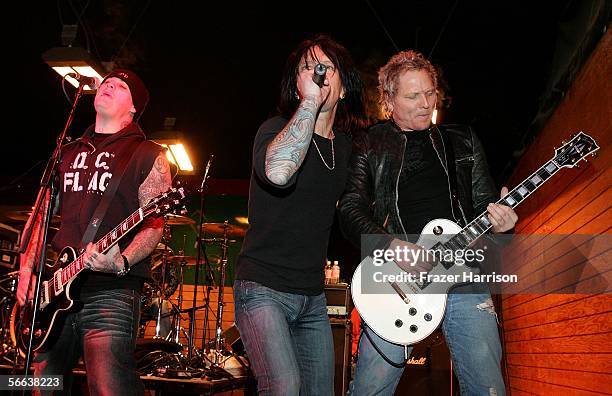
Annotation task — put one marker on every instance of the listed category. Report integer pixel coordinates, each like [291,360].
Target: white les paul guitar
[408,312]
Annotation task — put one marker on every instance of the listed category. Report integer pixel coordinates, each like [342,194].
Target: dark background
[217,68]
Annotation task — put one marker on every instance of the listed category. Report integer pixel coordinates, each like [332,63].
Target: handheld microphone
[319,74]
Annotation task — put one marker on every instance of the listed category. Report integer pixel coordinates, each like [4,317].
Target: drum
[8,284]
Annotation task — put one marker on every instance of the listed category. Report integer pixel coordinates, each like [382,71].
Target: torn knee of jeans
[492,392]
[487,306]
[490,308]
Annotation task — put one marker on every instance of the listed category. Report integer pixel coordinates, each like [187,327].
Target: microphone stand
[46,184]
[197,268]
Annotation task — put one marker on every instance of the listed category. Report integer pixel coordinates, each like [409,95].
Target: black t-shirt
[289,226]
[86,169]
[423,185]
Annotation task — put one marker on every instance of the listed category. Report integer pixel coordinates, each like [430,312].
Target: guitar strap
[98,216]
[439,135]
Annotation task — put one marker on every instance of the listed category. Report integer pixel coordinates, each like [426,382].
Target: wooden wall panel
[559,343]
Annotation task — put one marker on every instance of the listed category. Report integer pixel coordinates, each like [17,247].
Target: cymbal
[219,228]
[173,219]
[191,260]
[162,248]
[24,215]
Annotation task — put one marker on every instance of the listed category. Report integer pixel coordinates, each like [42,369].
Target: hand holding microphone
[309,75]
[319,74]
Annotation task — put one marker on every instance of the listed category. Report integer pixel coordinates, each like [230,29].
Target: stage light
[176,154]
[65,60]
[242,220]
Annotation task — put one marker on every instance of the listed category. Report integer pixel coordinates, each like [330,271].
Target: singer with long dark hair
[299,171]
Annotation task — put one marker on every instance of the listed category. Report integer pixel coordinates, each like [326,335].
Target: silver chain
[323,159]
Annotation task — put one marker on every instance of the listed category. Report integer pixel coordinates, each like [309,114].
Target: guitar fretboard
[71,270]
[481,224]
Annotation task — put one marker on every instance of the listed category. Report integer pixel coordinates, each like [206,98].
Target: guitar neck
[481,224]
[73,269]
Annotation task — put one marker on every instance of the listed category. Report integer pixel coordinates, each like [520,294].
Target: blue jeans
[104,333]
[470,329]
[288,340]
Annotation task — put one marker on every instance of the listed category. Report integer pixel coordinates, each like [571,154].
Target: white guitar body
[386,312]
[405,312]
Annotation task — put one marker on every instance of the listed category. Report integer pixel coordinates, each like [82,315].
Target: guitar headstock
[575,150]
[166,202]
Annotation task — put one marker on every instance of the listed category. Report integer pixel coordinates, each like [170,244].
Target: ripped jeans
[470,329]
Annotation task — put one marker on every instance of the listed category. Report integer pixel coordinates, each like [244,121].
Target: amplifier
[339,302]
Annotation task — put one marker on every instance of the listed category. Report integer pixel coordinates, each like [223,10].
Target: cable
[382,25]
[64,89]
[79,17]
[385,357]
[448,17]
[59,12]
[144,9]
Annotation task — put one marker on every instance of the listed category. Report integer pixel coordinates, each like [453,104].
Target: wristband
[126,266]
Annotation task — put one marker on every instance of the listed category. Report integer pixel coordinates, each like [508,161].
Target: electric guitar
[59,279]
[405,310]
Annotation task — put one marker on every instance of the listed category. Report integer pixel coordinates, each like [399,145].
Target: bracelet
[126,267]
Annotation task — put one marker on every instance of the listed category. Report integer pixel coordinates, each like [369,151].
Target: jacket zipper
[450,194]
[397,188]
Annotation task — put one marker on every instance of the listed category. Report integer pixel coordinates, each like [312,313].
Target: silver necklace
[333,153]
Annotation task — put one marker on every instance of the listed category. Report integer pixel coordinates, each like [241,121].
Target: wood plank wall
[562,343]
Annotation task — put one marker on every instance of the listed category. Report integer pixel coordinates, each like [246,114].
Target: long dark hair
[350,113]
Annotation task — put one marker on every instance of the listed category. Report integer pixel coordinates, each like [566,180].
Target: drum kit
[165,353]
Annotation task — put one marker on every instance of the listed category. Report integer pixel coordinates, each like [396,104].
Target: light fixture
[242,220]
[66,60]
[176,154]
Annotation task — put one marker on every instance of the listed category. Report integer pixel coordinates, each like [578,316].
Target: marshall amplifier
[429,370]
[339,302]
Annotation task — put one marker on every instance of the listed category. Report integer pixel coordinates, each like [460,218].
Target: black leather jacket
[369,204]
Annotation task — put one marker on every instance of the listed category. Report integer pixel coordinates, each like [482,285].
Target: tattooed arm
[157,182]
[27,279]
[287,150]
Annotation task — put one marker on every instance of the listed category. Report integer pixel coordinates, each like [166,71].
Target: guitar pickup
[57,282]
[44,295]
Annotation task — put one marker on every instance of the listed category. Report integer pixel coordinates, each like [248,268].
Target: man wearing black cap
[104,331]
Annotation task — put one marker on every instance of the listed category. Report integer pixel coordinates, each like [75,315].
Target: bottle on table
[335,273]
